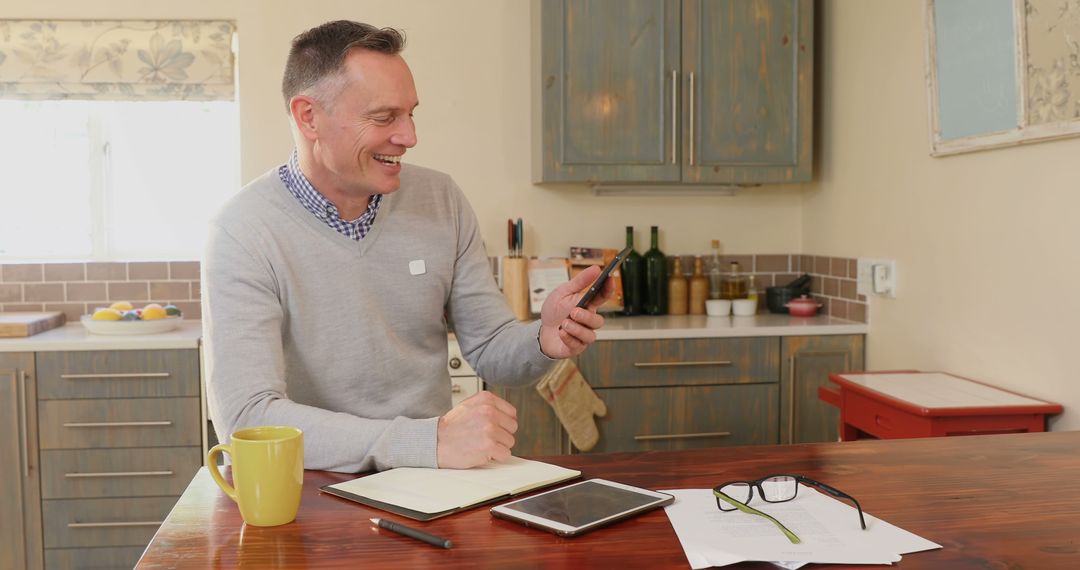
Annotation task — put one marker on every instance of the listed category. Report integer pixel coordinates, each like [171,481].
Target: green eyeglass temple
[751,510]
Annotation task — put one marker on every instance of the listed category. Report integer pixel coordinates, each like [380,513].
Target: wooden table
[994,501]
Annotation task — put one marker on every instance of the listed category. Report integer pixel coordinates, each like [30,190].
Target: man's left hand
[565,329]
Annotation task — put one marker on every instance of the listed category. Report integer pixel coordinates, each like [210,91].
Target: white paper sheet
[829,530]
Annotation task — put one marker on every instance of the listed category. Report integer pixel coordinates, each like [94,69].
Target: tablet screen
[581,504]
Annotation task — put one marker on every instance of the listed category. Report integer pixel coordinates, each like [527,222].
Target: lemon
[153,312]
[121,306]
[106,315]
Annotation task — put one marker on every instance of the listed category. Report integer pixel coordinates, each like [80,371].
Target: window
[120,138]
[114,179]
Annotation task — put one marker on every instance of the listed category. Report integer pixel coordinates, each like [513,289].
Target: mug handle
[211,462]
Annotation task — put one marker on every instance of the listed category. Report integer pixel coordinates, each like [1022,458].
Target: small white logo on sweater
[417,267]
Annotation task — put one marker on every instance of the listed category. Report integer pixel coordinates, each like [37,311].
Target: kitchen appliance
[463,379]
[777,298]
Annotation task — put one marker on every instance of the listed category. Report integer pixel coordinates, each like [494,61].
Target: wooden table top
[995,501]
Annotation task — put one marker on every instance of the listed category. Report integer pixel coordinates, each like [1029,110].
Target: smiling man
[327,282]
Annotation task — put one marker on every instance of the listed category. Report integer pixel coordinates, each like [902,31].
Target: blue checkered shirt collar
[314,202]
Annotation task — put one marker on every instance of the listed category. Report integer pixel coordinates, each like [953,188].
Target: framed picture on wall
[1001,72]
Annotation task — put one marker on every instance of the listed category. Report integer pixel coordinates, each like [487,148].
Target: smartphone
[581,507]
[598,285]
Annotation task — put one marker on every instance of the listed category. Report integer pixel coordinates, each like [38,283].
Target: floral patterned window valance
[117,59]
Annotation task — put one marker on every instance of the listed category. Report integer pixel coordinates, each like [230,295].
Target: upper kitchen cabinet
[669,91]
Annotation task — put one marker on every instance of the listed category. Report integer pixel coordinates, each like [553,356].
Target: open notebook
[424,494]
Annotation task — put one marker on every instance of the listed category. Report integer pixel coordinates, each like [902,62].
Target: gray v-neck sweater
[346,339]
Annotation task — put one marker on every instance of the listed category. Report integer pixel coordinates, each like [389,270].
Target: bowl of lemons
[123,318]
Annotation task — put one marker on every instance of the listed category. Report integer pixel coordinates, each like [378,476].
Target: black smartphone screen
[598,285]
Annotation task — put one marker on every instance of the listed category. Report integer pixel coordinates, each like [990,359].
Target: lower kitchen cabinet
[687,417]
[20,505]
[118,437]
[806,364]
[539,431]
[699,392]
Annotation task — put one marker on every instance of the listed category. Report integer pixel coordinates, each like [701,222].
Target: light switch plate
[876,277]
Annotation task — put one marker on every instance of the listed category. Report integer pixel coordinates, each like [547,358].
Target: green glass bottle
[633,277]
[656,279]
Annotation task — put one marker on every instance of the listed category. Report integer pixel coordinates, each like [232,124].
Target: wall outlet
[877,277]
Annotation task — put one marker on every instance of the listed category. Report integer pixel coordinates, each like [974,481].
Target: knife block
[516,285]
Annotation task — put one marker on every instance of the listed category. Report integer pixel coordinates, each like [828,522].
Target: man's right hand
[477,430]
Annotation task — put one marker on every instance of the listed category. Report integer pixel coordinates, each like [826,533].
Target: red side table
[909,403]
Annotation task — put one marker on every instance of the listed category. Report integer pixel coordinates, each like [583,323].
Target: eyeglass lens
[776,489]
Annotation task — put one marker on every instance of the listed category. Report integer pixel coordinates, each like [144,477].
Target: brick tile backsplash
[65,272]
[148,270]
[79,288]
[22,272]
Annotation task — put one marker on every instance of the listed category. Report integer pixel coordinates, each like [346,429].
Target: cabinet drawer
[682,362]
[151,422]
[115,558]
[104,522]
[117,374]
[101,473]
[642,419]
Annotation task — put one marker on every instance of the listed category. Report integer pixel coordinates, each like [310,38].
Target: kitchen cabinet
[806,364]
[20,508]
[675,92]
[697,392]
[120,438]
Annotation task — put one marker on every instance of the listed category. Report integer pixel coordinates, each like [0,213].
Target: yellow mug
[267,471]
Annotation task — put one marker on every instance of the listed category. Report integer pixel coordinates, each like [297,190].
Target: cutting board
[26,324]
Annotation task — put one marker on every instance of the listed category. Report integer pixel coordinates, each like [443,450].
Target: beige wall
[984,241]
[471,60]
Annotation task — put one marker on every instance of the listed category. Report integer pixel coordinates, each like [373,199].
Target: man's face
[368,125]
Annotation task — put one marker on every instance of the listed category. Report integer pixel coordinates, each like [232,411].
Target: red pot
[802,307]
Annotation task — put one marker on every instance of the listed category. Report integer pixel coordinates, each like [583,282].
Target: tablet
[581,507]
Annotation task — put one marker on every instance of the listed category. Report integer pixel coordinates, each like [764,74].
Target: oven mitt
[574,402]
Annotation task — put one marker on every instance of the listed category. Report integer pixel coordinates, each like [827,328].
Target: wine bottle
[633,277]
[656,282]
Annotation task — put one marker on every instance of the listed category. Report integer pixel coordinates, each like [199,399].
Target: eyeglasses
[736,495]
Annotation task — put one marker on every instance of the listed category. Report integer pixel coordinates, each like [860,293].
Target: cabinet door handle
[121,376]
[117,424]
[455,389]
[683,363]
[121,474]
[681,435]
[115,524]
[674,116]
[24,449]
[691,118]
[791,400]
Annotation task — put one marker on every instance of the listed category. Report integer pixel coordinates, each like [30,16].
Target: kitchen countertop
[700,326]
[73,336]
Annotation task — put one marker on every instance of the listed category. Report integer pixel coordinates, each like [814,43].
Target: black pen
[412,533]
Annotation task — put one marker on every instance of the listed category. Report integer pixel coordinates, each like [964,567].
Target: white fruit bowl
[131,327]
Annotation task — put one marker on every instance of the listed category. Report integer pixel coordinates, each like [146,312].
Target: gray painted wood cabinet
[118,435]
[20,507]
[698,392]
[675,91]
[806,364]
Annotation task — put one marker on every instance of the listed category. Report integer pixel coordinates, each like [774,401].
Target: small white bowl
[718,307]
[744,307]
